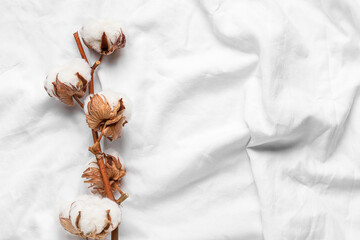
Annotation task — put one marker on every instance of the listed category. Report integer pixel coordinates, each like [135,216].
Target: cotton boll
[114,168]
[94,29]
[68,81]
[94,213]
[113,99]
[103,36]
[91,216]
[67,75]
[107,112]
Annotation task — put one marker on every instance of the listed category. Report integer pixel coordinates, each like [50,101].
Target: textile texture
[245,118]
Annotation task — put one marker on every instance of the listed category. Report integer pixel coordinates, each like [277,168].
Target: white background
[245,126]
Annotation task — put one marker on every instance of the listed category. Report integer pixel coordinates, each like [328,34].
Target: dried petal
[66,223]
[105,117]
[104,43]
[98,111]
[114,170]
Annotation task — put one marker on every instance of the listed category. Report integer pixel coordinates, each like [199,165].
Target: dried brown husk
[66,93]
[114,170]
[107,46]
[67,225]
[102,118]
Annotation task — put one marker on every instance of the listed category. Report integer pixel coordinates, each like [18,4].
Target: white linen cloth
[245,118]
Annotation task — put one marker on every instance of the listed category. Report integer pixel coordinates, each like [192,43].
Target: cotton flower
[103,36]
[68,81]
[115,170]
[107,112]
[90,217]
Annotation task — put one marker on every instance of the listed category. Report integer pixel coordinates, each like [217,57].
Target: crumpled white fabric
[245,118]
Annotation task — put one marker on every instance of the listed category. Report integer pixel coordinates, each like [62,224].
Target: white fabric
[245,118]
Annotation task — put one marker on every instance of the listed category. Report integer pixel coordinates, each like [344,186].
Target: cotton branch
[100,160]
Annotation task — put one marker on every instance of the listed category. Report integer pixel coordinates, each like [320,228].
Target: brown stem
[96,138]
[122,198]
[101,135]
[91,84]
[81,49]
[119,189]
[105,178]
[78,101]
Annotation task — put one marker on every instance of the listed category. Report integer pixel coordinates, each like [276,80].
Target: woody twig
[96,148]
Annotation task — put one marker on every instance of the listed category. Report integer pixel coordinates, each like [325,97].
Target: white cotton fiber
[93,213]
[93,30]
[86,101]
[50,78]
[113,99]
[67,74]
[64,210]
